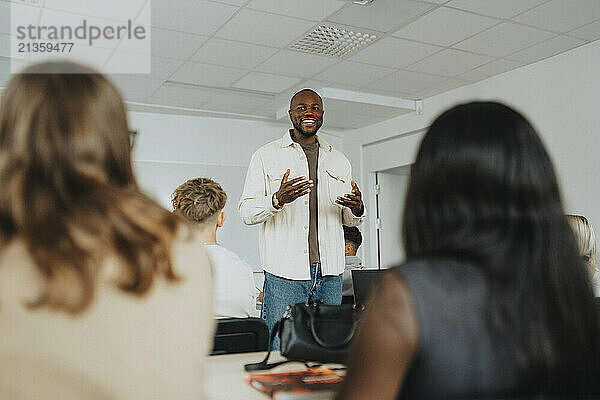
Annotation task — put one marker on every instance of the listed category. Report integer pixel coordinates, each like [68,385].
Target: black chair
[240,335]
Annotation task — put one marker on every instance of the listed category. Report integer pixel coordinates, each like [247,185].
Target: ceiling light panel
[333,41]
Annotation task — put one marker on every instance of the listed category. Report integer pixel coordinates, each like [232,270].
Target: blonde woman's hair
[68,190]
[199,200]
[586,239]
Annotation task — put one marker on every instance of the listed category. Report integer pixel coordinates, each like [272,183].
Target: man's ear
[290,114]
[221,219]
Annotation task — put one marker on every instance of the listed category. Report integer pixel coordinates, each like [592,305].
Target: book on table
[312,383]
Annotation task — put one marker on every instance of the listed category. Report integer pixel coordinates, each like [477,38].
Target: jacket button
[305,226]
[305,252]
[305,201]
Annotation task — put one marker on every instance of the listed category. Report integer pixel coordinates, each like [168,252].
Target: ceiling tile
[352,73]
[503,39]
[117,10]
[225,52]
[93,57]
[490,69]
[406,82]
[284,97]
[121,62]
[160,68]
[495,8]
[144,18]
[232,2]
[546,49]
[135,87]
[381,15]
[163,68]
[262,28]
[177,45]
[13,15]
[208,75]
[561,15]
[315,10]
[588,32]
[61,18]
[445,26]
[450,63]
[181,96]
[394,53]
[192,16]
[443,87]
[239,100]
[265,82]
[167,44]
[293,63]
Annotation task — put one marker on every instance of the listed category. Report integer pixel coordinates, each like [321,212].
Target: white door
[392,187]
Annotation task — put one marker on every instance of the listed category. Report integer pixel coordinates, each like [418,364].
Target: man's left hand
[352,200]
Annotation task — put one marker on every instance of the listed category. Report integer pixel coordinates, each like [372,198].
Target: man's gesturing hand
[352,200]
[292,189]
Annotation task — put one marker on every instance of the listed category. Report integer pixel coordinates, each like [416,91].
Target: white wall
[560,95]
[391,206]
[169,149]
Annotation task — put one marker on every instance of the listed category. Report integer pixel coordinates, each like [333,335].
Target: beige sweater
[122,347]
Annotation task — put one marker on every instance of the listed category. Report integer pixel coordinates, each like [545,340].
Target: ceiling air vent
[333,41]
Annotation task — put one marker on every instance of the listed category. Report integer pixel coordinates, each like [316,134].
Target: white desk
[225,376]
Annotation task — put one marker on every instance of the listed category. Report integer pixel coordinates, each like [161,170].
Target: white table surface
[225,376]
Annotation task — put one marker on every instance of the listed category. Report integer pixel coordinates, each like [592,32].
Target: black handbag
[313,332]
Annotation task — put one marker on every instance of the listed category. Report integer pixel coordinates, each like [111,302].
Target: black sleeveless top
[458,356]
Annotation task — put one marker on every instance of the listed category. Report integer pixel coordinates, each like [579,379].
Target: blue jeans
[279,292]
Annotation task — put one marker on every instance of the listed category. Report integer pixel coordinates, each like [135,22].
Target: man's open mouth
[309,121]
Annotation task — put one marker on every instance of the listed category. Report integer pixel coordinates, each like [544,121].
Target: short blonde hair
[586,239]
[198,199]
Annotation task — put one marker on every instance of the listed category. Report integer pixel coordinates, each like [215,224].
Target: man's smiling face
[306,113]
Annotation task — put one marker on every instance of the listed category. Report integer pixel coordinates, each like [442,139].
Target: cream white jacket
[283,235]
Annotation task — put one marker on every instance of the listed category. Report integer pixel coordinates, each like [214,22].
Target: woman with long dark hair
[104,294]
[494,299]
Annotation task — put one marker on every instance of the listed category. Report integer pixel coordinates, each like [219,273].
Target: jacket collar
[287,141]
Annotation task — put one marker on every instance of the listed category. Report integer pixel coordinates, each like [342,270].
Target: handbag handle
[263,364]
[322,343]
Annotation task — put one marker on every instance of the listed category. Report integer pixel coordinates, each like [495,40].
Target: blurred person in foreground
[201,201]
[103,293]
[494,300]
[586,242]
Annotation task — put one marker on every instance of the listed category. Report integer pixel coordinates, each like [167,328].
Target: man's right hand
[292,189]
